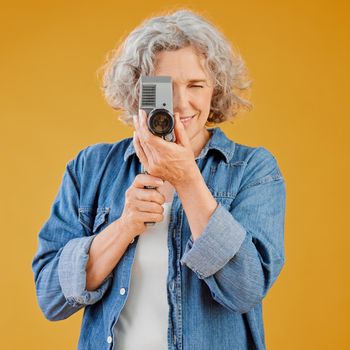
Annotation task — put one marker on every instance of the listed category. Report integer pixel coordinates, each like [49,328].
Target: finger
[150,195]
[150,217]
[148,207]
[145,134]
[142,180]
[139,151]
[145,148]
[180,132]
[135,119]
[143,127]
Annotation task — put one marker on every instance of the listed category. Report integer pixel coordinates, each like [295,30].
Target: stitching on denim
[225,194]
[237,163]
[100,219]
[74,178]
[96,219]
[263,180]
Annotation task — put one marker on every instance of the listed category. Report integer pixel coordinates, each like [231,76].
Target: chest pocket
[224,179]
[94,220]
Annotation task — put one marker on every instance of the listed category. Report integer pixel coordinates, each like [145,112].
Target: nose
[181,101]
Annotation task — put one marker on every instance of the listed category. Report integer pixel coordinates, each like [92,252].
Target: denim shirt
[215,284]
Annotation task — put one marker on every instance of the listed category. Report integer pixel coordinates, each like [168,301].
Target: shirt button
[122,291]
[109,339]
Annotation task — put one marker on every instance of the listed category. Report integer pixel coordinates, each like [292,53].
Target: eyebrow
[197,81]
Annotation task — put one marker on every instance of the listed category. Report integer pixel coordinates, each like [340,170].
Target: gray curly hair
[136,56]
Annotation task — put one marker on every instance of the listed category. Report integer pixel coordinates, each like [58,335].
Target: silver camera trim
[156,93]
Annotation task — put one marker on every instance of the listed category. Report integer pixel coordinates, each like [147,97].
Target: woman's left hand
[170,161]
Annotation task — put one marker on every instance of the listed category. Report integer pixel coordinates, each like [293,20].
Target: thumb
[180,132]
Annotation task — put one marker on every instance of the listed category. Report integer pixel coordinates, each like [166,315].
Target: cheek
[202,101]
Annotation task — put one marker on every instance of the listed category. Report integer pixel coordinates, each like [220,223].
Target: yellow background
[51,107]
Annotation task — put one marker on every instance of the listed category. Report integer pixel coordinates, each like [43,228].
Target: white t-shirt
[143,322]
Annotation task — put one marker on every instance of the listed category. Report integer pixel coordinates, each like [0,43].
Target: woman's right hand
[142,204]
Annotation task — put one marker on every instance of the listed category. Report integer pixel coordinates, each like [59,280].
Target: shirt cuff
[218,243]
[72,273]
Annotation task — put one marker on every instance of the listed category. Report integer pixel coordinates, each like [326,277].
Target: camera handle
[143,171]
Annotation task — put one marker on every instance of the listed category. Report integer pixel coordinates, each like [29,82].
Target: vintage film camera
[156,98]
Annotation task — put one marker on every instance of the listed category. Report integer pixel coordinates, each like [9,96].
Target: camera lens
[160,122]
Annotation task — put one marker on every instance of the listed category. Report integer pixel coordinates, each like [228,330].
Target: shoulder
[250,154]
[95,156]
[239,154]
[260,164]
[100,151]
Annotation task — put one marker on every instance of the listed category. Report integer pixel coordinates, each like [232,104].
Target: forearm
[105,252]
[197,201]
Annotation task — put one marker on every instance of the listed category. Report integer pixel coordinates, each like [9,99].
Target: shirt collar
[217,141]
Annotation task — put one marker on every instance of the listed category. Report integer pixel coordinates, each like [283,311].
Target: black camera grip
[143,171]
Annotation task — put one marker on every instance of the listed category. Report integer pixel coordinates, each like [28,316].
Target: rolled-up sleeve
[240,253]
[59,265]
[211,252]
[72,273]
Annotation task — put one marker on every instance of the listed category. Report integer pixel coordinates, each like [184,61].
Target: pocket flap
[100,218]
[93,219]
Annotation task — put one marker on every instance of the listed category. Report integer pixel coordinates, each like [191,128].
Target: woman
[197,278]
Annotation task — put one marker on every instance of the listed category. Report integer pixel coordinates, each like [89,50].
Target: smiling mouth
[187,118]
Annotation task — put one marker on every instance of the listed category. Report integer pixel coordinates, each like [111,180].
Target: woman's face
[192,88]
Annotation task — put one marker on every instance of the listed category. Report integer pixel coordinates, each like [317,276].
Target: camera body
[156,98]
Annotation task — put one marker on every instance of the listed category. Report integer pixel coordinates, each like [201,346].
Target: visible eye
[200,86]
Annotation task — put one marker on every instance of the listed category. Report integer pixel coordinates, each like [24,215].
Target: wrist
[122,231]
[192,178]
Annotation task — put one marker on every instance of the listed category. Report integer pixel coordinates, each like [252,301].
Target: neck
[199,141]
